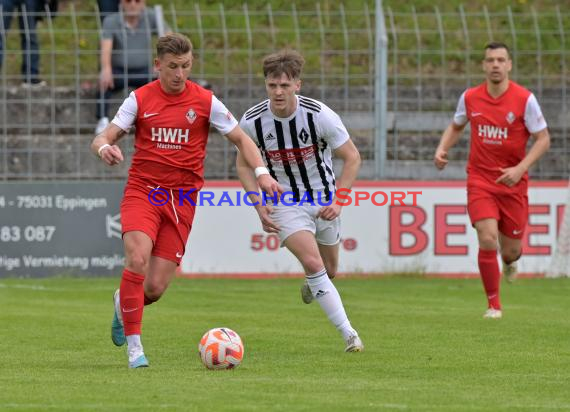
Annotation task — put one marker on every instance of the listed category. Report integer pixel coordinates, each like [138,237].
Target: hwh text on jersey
[169,135]
[492,132]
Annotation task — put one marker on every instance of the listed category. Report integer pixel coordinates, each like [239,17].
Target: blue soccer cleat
[140,362]
[117,330]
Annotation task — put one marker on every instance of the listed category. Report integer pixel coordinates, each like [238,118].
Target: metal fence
[432,57]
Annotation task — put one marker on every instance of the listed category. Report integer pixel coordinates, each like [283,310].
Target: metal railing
[432,57]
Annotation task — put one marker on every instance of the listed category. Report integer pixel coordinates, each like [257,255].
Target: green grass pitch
[427,347]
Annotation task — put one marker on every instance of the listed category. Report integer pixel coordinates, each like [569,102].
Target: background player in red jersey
[503,115]
[172,116]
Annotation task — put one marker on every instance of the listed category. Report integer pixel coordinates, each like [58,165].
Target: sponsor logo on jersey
[169,135]
[147,115]
[293,155]
[492,132]
[191,115]
[511,117]
[269,137]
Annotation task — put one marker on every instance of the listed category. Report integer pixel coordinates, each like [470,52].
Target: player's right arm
[449,138]
[104,144]
[451,135]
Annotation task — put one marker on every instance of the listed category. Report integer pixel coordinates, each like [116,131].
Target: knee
[511,254]
[154,290]
[331,270]
[488,240]
[138,263]
[313,264]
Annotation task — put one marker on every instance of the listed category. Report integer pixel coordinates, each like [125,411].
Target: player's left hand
[330,212]
[511,176]
[269,185]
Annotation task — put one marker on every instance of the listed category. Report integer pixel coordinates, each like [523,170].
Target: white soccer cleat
[117,329]
[510,271]
[101,125]
[354,344]
[493,314]
[306,294]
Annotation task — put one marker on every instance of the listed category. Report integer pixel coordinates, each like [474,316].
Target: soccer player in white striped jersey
[297,137]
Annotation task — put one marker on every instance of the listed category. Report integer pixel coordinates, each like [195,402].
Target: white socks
[326,294]
[134,347]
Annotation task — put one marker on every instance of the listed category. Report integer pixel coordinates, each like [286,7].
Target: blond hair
[173,43]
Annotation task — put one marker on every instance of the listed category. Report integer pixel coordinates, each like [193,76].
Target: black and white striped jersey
[297,150]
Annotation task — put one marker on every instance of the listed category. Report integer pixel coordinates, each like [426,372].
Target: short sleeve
[127,113]
[246,127]
[533,118]
[332,127]
[109,27]
[221,118]
[460,116]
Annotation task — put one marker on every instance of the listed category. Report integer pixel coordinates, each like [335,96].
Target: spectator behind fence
[126,56]
[29,39]
[107,7]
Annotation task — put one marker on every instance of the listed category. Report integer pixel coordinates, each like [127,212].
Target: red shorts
[160,215]
[510,210]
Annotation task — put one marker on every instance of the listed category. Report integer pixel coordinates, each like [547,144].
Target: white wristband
[102,147]
[260,171]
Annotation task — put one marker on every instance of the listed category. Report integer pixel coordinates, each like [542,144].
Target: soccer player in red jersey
[503,115]
[172,117]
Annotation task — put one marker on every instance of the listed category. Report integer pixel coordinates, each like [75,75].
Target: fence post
[467,48]
[226,80]
[419,86]
[174,17]
[4,100]
[201,37]
[249,54]
[514,40]
[380,94]
[346,55]
[28,57]
[271,25]
[159,13]
[77,92]
[296,27]
[52,83]
[538,52]
[563,86]
[395,81]
[442,54]
[323,52]
[488,23]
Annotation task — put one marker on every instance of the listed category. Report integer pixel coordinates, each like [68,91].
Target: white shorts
[295,218]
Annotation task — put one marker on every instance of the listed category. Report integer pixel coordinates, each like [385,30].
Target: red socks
[489,268]
[132,302]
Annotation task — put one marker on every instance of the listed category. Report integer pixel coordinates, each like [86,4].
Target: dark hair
[289,62]
[498,45]
[173,43]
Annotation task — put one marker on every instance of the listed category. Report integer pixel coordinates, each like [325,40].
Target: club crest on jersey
[191,115]
[511,117]
[303,135]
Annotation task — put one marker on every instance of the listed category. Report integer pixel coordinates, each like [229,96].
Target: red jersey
[500,128]
[171,134]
